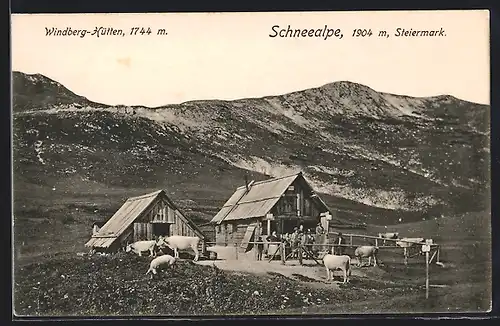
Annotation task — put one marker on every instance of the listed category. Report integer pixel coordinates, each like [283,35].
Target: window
[307,207]
[229,228]
[288,204]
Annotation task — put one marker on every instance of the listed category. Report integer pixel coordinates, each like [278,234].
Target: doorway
[162,229]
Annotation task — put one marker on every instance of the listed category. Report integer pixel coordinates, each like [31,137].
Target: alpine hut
[143,218]
[259,208]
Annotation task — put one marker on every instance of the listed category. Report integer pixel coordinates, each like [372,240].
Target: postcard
[251,163]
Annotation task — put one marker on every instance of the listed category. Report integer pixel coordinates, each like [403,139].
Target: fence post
[236,250]
[406,256]
[282,253]
[300,254]
[350,237]
[255,251]
[427,275]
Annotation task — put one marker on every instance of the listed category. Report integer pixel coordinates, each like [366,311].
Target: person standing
[294,241]
[272,246]
[260,248]
[286,242]
[309,240]
[339,244]
[319,229]
[273,237]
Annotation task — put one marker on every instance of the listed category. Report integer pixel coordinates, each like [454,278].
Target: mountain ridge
[364,149]
[339,82]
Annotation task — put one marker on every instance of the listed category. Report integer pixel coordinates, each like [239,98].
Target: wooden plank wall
[249,236]
[143,231]
[170,214]
[179,227]
[239,232]
[159,212]
[220,234]
[162,212]
[232,233]
[307,206]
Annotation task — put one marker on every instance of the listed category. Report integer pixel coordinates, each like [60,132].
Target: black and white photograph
[251,163]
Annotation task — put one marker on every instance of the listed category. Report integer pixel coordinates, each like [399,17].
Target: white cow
[334,262]
[178,242]
[409,242]
[388,235]
[159,262]
[139,247]
[366,251]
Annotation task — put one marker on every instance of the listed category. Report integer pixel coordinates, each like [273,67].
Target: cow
[409,242]
[366,251]
[388,235]
[178,242]
[159,262]
[139,247]
[334,262]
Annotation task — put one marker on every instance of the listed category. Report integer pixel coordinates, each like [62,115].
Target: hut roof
[258,200]
[131,210]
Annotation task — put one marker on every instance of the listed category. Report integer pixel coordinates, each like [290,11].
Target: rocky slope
[377,157]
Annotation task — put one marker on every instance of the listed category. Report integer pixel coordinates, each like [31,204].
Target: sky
[230,55]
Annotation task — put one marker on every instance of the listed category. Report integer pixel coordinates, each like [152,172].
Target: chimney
[246,181]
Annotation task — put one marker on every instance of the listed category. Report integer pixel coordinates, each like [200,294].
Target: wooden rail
[406,255]
[95,236]
[351,236]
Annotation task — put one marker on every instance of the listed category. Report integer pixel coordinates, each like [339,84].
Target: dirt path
[310,273]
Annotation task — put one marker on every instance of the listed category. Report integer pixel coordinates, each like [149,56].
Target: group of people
[299,236]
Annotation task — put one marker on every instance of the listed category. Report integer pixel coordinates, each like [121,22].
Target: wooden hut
[259,208]
[143,218]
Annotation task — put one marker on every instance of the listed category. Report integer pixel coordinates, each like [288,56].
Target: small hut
[259,208]
[143,218]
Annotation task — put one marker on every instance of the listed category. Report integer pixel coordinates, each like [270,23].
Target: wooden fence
[435,248]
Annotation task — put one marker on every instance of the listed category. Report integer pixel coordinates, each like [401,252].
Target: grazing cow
[334,262]
[139,247]
[366,251]
[388,235]
[178,242]
[159,262]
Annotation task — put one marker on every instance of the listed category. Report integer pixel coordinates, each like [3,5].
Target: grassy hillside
[39,92]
